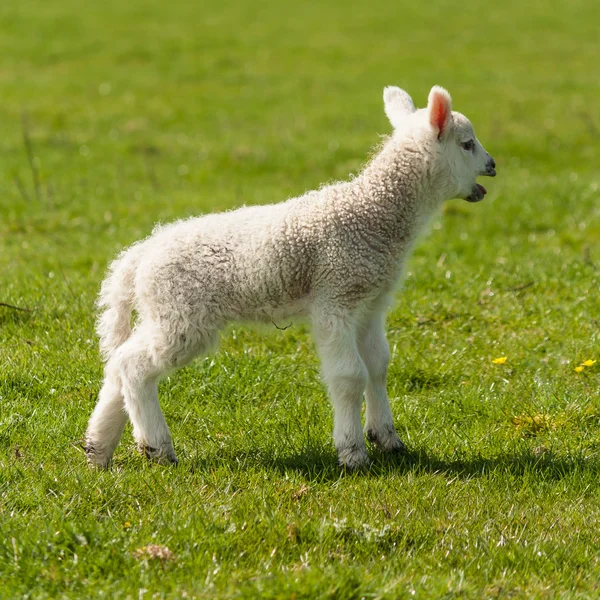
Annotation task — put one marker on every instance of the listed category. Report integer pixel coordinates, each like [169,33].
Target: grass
[118,115]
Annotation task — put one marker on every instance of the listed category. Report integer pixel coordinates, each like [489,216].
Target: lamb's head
[447,139]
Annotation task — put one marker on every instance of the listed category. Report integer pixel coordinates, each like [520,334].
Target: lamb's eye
[469,145]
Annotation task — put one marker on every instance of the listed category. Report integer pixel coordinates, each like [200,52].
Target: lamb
[334,256]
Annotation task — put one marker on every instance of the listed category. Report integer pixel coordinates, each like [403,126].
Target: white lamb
[334,255]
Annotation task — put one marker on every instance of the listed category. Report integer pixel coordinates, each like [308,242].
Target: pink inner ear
[439,114]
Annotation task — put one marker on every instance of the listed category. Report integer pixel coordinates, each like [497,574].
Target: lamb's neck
[399,189]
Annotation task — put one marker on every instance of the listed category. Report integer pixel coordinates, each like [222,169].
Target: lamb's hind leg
[108,419]
[144,358]
[346,375]
[140,372]
[374,350]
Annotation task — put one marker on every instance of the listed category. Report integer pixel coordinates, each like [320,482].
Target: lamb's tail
[116,302]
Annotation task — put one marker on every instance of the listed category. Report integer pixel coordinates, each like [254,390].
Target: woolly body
[332,255]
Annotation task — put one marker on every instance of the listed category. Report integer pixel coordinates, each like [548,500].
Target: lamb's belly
[281,314]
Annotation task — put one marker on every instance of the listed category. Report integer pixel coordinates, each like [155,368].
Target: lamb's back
[242,264]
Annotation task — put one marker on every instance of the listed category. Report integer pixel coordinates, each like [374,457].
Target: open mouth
[477,193]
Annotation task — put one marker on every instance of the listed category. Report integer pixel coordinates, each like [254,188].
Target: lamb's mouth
[477,193]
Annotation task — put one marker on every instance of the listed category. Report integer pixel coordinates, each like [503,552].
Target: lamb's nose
[491,167]
[492,163]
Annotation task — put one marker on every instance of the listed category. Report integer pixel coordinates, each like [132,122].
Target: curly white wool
[332,255]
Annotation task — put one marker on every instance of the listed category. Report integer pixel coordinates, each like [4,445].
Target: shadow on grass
[418,379]
[514,464]
[415,379]
[320,464]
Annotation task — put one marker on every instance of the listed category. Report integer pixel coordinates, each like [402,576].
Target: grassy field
[116,115]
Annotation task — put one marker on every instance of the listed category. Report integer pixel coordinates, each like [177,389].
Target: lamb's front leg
[346,376]
[374,350]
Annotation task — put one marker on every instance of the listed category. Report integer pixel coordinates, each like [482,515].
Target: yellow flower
[500,360]
[126,525]
[588,363]
[578,369]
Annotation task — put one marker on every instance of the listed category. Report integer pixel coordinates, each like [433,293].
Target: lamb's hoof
[96,457]
[162,456]
[353,458]
[386,441]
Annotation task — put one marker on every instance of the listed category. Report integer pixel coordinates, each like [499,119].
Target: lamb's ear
[439,106]
[397,104]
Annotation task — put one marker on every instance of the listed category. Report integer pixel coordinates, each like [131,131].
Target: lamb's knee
[344,366]
[378,369]
[377,359]
[347,380]
[136,364]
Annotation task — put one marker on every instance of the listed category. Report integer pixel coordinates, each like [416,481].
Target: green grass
[146,111]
